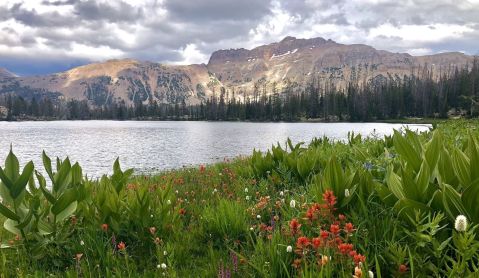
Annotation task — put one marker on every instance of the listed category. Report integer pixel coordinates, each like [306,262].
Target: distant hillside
[290,61]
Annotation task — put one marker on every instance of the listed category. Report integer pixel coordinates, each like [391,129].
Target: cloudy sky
[43,36]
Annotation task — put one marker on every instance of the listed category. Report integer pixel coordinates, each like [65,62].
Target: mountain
[5,74]
[290,61]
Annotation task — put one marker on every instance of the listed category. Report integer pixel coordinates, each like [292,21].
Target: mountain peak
[288,38]
[4,73]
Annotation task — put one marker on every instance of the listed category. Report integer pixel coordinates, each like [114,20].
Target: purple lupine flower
[228,273]
[234,258]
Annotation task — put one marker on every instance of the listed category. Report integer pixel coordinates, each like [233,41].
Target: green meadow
[404,205]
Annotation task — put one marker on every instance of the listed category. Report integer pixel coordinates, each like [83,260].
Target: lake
[150,147]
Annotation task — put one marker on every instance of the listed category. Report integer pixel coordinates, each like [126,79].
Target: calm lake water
[154,146]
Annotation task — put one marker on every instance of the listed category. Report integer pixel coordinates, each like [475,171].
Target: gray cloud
[79,31]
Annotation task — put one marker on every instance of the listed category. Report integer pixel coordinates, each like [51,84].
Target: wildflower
[324,234]
[165,253]
[342,217]
[182,211]
[163,265]
[78,256]
[346,193]
[292,203]
[294,226]
[334,229]
[202,168]
[370,274]
[316,242]
[158,266]
[248,198]
[345,248]
[82,243]
[157,240]
[246,190]
[168,202]
[296,263]
[281,193]
[289,249]
[121,246]
[151,215]
[215,190]
[302,242]
[258,216]
[461,223]
[358,259]
[324,260]
[152,230]
[251,229]
[104,227]
[329,198]
[349,227]
[357,272]
[402,268]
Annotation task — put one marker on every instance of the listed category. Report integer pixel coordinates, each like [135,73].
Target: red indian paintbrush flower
[334,229]
[329,198]
[349,227]
[324,234]
[302,242]
[294,226]
[104,227]
[316,242]
[121,246]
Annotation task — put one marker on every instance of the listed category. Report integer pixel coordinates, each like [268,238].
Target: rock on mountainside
[290,61]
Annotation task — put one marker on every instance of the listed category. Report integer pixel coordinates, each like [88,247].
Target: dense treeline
[425,93]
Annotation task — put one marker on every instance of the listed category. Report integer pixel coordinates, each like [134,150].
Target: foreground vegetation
[398,206]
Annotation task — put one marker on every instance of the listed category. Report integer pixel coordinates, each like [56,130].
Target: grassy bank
[385,207]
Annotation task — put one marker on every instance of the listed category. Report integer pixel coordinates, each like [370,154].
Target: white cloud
[191,55]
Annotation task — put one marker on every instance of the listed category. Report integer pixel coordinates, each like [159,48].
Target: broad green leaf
[470,199]
[68,211]
[64,201]
[26,220]
[8,213]
[406,150]
[452,201]
[460,164]
[63,176]
[76,173]
[42,184]
[433,149]
[394,184]
[12,166]
[422,179]
[11,226]
[22,181]
[6,180]
[47,163]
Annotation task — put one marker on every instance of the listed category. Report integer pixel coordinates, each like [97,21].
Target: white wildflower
[165,253]
[346,193]
[168,202]
[248,198]
[163,265]
[82,242]
[461,223]
[292,203]
[258,216]
[370,274]
[251,229]
[246,190]
[289,249]
[158,266]
[281,193]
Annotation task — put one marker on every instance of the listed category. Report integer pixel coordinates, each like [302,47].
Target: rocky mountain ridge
[290,61]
